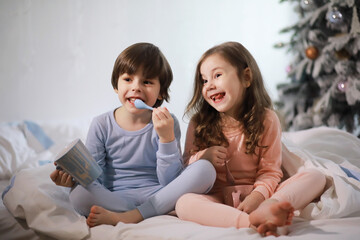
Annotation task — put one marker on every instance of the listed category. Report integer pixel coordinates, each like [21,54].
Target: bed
[35,208]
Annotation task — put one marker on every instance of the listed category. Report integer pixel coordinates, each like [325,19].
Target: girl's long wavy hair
[208,131]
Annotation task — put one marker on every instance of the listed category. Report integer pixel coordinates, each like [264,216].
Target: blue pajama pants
[198,177]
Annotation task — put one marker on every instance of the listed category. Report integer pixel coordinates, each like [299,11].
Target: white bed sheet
[44,211]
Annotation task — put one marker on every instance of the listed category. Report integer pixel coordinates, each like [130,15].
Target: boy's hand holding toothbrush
[162,120]
[163,124]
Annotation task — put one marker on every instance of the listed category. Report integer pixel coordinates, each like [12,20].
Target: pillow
[351,173]
[64,132]
[45,207]
[15,150]
[36,137]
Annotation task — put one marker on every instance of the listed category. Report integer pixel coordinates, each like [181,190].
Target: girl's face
[222,88]
[135,86]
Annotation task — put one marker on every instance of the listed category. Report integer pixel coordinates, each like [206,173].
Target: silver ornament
[307,5]
[334,16]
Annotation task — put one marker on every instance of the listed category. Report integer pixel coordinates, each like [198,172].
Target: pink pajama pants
[209,210]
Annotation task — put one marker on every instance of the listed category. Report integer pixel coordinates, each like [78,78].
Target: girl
[138,149]
[234,127]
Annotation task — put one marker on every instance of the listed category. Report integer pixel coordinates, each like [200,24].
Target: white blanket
[47,210]
[326,149]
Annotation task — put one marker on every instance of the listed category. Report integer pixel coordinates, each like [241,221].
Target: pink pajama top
[263,172]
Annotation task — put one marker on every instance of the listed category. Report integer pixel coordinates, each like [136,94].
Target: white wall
[57,56]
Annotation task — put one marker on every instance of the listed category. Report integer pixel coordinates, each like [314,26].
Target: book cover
[76,160]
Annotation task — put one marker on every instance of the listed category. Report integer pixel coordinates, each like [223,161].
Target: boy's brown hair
[154,64]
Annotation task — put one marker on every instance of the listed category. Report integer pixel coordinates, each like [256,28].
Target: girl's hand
[61,178]
[217,155]
[251,202]
[163,124]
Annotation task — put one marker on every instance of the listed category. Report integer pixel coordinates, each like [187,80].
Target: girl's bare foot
[267,229]
[271,214]
[99,215]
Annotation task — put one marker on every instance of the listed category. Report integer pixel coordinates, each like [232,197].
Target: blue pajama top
[133,159]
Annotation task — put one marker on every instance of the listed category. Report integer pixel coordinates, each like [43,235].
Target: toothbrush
[141,105]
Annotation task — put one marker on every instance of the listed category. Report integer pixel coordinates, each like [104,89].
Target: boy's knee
[204,175]
[206,169]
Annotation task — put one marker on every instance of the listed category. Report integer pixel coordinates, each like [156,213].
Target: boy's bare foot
[271,214]
[99,215]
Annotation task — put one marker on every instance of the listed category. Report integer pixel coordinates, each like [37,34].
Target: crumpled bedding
[328,150]
[47,210]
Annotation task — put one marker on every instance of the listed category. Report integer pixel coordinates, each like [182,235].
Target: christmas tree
[324,77]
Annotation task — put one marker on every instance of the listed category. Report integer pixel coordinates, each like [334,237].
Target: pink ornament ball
[342,85]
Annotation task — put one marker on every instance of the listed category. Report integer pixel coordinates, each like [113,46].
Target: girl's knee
[186,198]
[316,176]
[184,205]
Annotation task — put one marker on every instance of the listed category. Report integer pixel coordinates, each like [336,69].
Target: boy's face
[135,86]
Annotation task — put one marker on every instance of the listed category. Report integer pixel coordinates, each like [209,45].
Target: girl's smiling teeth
[217,97]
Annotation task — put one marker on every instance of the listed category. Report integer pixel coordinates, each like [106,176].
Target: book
[76,160]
